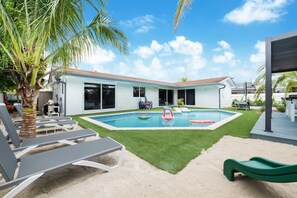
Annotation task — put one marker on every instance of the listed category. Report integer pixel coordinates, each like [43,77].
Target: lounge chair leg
[22,185]
[102,166]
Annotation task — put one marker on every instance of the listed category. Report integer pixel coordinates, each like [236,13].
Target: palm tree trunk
[29,96]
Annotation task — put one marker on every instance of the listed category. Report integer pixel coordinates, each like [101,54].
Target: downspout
[64,93]
[220,94]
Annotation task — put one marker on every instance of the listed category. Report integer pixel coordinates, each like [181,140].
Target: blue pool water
[131,120]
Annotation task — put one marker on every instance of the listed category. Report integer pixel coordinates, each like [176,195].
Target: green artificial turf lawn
[172,150]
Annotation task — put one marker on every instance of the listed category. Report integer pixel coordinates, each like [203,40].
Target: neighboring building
[81,92]
[244,88]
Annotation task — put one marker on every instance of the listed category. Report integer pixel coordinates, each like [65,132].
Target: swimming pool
[131,121]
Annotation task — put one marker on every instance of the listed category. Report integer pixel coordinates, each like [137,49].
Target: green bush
[280,106]
[180,102]
[259,102]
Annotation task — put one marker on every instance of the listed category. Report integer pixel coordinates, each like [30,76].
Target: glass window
[162,97]
[138,91]
[190,96]
[142,91]
[165,97]
[108,96]
[181,94]
[135,91]
[92,96]
[170,97]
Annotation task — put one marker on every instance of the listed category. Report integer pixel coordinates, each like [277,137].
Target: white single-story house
[80,92]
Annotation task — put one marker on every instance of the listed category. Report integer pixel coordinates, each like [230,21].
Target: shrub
[259,102]
[280,106]
[262,109]
[180,102]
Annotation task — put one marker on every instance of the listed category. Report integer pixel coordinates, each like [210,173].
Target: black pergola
[281,56]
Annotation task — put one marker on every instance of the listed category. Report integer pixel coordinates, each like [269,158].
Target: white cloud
[242,74]
[259,57]
[223,45]
[257,11]
[186,47]
[99,56]
[143,24]
[226,56]
[181,55]
[165,62]
[145,51]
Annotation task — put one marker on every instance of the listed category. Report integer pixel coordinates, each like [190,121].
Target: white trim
[102,166]
[210,127]
[22,185]
[28,149]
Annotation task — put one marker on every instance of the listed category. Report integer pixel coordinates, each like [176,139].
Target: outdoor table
[242,105]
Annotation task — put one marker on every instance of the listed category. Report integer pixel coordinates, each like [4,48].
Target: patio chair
[30,168]
[61,124]
[19,109]
[293,110]
[28,144]
[185,110]
[177,109]
[261,169]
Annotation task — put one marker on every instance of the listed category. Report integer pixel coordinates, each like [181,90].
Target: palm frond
[100,31]
[259,90]
[182,6]
[12,38]
[291,84]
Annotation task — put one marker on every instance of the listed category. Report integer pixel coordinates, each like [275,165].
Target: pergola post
[268,87]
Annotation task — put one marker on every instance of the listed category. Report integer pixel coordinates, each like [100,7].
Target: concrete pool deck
[210,127]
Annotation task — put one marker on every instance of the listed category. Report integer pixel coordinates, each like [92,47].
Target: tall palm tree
[183,79]
[182,6]
[38,35]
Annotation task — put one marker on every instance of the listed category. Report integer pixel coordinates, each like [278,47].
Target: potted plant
[180,102]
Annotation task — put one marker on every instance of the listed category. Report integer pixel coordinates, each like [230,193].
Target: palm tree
[38,35]
[285,79]
[183,79]
[182,5]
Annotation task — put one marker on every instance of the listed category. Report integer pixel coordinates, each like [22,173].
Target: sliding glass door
[188,96]
[165,97]
[170,97]
[92,96]
[162,97]
[108,96]
[99,96]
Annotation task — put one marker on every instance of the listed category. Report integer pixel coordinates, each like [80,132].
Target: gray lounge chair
[19,109]
[59,124]
[32,167]
[27,145]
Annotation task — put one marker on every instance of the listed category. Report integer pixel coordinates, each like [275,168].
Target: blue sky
[215,38]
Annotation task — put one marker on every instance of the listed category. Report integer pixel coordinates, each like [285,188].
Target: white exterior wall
[124,99]
[75,95]
[277,96]
[226,95]
[207,96]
